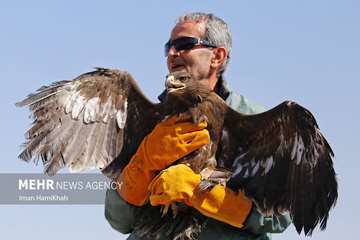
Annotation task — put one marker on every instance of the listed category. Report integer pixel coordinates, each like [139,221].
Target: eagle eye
[184,78]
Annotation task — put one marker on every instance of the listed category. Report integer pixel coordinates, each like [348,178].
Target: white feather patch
[255,169]
[246,173]
[77,106]
[121,116]
[293,151]
[238,159]
[252,162]
[315,146]
[63,99]
[238,169]
[225,134]
[70,101]
[100,164]
[106,110]
[269,164]
[298,149]
[91,110]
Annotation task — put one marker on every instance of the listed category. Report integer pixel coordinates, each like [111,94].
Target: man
[200,44]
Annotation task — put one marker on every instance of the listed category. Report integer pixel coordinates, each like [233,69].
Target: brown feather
[275,157]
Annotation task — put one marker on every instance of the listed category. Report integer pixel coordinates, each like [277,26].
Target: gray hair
[216,32]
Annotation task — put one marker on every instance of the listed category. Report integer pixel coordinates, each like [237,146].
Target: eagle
[278,158]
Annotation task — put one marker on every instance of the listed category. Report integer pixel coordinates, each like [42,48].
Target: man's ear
[219,57]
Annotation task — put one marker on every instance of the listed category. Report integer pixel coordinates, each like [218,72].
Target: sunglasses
[186,43]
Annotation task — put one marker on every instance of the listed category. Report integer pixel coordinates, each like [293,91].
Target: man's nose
[173,52]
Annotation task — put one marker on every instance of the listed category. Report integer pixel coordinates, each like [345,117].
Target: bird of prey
[279,158]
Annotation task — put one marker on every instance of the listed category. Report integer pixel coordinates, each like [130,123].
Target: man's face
[197,60]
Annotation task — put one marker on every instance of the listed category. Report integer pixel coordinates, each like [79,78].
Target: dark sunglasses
[185,43]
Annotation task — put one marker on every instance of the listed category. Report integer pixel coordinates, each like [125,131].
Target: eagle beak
[172,84]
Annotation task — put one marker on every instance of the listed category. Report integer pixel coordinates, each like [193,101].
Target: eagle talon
[164,209]
[205,185]
[257,148]
[175,209]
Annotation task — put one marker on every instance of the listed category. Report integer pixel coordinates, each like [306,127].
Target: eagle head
[183,89]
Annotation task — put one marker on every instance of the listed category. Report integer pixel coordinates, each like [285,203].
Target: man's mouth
[177,67]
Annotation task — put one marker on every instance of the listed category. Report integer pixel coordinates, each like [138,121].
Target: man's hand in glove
[179,184]
[169,141]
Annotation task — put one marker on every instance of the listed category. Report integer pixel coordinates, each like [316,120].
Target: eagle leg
[211,177]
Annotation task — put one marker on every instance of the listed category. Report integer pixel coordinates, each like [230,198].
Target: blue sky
[307,51]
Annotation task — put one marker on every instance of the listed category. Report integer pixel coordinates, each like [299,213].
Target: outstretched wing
[283,162]
[81,123]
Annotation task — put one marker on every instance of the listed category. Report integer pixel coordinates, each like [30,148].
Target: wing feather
[81,123]
[283,162]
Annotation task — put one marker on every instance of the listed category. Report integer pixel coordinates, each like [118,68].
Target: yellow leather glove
[179,184]
[169,141]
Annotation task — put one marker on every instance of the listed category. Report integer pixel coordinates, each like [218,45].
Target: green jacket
[122,216]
